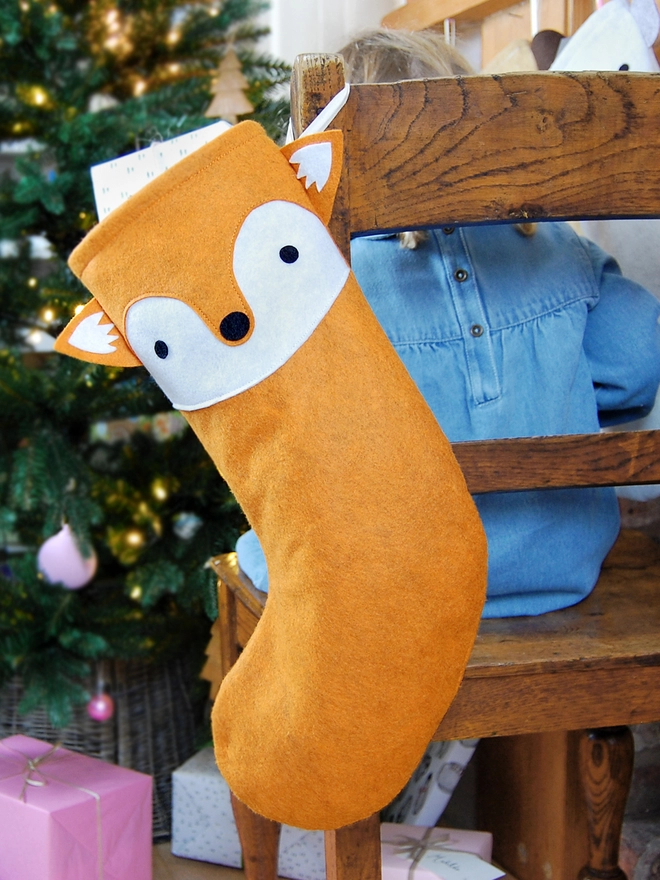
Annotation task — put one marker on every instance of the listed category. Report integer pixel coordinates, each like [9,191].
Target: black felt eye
[234,326]
[625,67]
[161,349]
[289,253]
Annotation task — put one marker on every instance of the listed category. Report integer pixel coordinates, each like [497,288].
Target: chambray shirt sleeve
[621,342]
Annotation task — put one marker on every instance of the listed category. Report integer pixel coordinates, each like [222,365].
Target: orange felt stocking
[221,278]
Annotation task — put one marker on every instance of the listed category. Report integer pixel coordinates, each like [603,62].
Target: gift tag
[119,179]
[453,865]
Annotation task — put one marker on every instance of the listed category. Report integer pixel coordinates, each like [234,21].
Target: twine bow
[415,848]
[32,766]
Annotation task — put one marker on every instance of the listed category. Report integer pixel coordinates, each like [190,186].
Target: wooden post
[227,618]
[606,764]
[260,839]
[353,852]
[315,80]
[529,797]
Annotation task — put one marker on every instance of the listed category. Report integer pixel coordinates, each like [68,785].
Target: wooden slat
[419,14]
[565,701]
[568,146]
[583,460]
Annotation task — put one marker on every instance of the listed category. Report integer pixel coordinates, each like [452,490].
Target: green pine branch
[82,83]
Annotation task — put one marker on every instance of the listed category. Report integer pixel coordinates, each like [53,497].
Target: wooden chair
[503,149]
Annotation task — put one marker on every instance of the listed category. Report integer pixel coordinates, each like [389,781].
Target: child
[508,331]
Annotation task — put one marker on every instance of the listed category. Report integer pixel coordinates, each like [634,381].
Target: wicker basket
[152,730]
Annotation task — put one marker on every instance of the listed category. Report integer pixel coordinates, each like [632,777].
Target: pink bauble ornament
[61,562]
[101,707]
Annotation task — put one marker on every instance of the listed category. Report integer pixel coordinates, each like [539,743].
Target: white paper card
[117,180]
[452,865]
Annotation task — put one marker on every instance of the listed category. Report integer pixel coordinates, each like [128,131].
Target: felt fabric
[329,448]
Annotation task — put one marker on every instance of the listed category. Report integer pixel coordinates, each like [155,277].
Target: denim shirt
[511,336]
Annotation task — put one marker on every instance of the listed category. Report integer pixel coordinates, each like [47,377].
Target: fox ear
[87,339]
[319,159]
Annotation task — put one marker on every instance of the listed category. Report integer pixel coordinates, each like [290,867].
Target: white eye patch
[290,272]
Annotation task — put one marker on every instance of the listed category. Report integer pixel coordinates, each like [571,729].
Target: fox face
[268,278]
[276,260]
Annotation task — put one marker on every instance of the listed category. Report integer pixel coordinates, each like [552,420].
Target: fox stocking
[221,278]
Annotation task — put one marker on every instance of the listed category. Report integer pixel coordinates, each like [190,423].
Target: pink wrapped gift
[413,851]
[64,816]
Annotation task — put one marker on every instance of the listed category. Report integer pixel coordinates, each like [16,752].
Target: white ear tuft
[315,163]
[92,336]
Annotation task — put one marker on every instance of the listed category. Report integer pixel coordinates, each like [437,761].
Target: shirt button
[461,275]
[447,230]
[477,330]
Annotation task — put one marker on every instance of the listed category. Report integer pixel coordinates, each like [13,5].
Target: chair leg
[353,852]
[606,765]
[259,841]
[227,619]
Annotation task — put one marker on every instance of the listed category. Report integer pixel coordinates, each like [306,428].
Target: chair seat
[521,677]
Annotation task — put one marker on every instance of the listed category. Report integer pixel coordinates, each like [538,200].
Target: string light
[139,88]
[116,40]
[48,315]
[78,309]
[159,489]
[32,282]
[134,538]
[136,593]
[35,96]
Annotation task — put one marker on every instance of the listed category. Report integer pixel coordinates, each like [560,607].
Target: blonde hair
[383,55]
[391,55]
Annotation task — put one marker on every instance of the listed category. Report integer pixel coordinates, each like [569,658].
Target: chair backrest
[500,149]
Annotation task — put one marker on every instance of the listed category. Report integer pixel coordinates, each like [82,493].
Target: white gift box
[426,795]
[203,824]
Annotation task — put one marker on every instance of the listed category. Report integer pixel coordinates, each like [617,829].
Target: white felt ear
[610,39]
[87,339]
[93,337]
[314,163]
[645,13]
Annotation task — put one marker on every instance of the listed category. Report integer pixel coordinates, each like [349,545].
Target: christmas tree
[91,457]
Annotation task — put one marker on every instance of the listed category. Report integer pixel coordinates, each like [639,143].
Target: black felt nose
[235,326]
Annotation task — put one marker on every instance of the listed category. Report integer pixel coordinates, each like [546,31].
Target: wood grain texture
[610,459]
[227,619]
[502,148]
[260,840]
[606,765]
[315,80]
[530,798]
[353,852]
